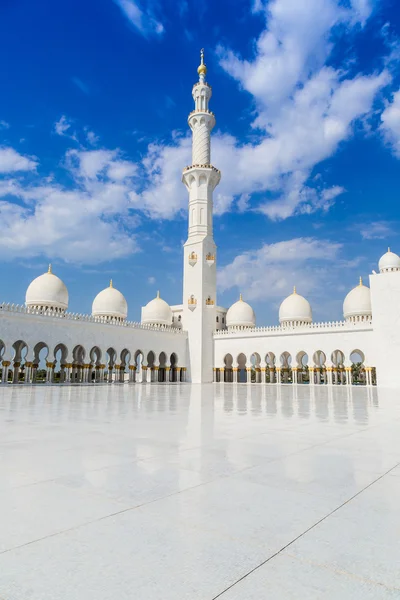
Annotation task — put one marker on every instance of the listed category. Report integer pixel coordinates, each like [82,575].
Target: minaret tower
[199,269]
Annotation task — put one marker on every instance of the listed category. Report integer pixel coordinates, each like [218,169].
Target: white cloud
[89,222]
[273,270]
[151,280]
[142,20]
[390,125]
[377,230]
[303,111]
[63,128]
[4,125]
[11,161]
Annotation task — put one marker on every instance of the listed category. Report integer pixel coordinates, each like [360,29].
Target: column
[222,375]
[28,369]
[348,376]
[49,372]
[329,373]
[248,371]
[148,375]
[62,373]
[235,374]
[68,372]
[183,374]
[167,374]
[262,374]
[271,375]
[311,375]
[4,371]
[278,374]
[155,372]
[132,373]
[294,374]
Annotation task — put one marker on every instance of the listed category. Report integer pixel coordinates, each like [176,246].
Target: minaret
[199,268]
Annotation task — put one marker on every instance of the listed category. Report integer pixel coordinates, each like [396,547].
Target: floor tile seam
[284,548]
[332,569]
[104,517]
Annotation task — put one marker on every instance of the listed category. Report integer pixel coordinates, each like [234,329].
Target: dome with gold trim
[240,315]
[110,304]
[157,312]
[47,292]
[295,310]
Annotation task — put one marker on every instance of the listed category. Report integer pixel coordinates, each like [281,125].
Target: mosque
[199,341]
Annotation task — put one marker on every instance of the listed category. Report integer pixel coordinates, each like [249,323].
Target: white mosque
[199,341]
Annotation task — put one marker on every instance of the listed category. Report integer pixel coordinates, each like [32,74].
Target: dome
[357,304]
[389,262]
[240,315]
[157,312]
[47,291]
[110,303]
[295,310]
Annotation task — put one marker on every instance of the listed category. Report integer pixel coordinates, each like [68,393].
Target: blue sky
[94,137]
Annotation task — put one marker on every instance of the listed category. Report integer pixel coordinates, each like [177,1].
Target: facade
[198,340]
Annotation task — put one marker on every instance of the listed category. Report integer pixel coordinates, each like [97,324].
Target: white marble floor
[182,492]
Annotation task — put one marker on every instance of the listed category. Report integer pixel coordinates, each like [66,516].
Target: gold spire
[388,249]
[158,293]
[202,69]
[111,283]
[361,281]
[240,298]
[49,269]
[294,290]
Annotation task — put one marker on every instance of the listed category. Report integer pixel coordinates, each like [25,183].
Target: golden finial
[202,69]
[361,281]
[240,298]
[388,249]
[158,293]
[294,290]
[49,269]
[111,283]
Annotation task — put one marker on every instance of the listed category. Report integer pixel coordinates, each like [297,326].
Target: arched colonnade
[41,364]
[336,369]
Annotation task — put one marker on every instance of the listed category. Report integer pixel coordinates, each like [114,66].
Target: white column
[329,372]
[294,375]
[235,374]
[311,375]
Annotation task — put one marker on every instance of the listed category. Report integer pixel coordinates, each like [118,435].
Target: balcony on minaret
[210,259]
[209,301]
[192,259]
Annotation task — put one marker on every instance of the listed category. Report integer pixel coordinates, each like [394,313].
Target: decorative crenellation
[300,329]
[53,312]
[206,166]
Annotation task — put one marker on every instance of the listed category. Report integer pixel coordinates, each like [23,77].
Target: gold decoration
[49,270]
[192,300]
[111,283]
[209,302]
[202,69]
[294,290]
[361,282]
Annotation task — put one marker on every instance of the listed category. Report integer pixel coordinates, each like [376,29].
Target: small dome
[110,304]
[389,262]
[295,310]
[357,304]
[240,315]
[47,291]
[157,312]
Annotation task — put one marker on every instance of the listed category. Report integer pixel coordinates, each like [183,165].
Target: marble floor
[238,492]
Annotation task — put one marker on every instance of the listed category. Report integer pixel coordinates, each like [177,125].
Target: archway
[242,373]
[302,367]
[358,376]
[60,363]
[228,370]
[18,362]
[2,351]
[138,358]
[319,359]
[125,363]
[78,360]
[270,374]
[338,372]
[286,367]
[111,357]
[255,361]
[95,364]
[174,367]
[162,359]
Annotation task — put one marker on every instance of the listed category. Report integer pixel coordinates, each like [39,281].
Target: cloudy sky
[95,97]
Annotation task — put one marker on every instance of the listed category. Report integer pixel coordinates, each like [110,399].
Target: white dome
[110,303]
[295,310]
[357,304]
[389,262]
[47,291]
[240,315]
[157,312]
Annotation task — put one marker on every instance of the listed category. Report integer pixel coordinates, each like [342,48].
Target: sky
[94,137]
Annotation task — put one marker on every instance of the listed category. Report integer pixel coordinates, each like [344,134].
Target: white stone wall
[34,328]
[385,299]
[345,337]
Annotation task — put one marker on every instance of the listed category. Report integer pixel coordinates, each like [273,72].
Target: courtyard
[180,492]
